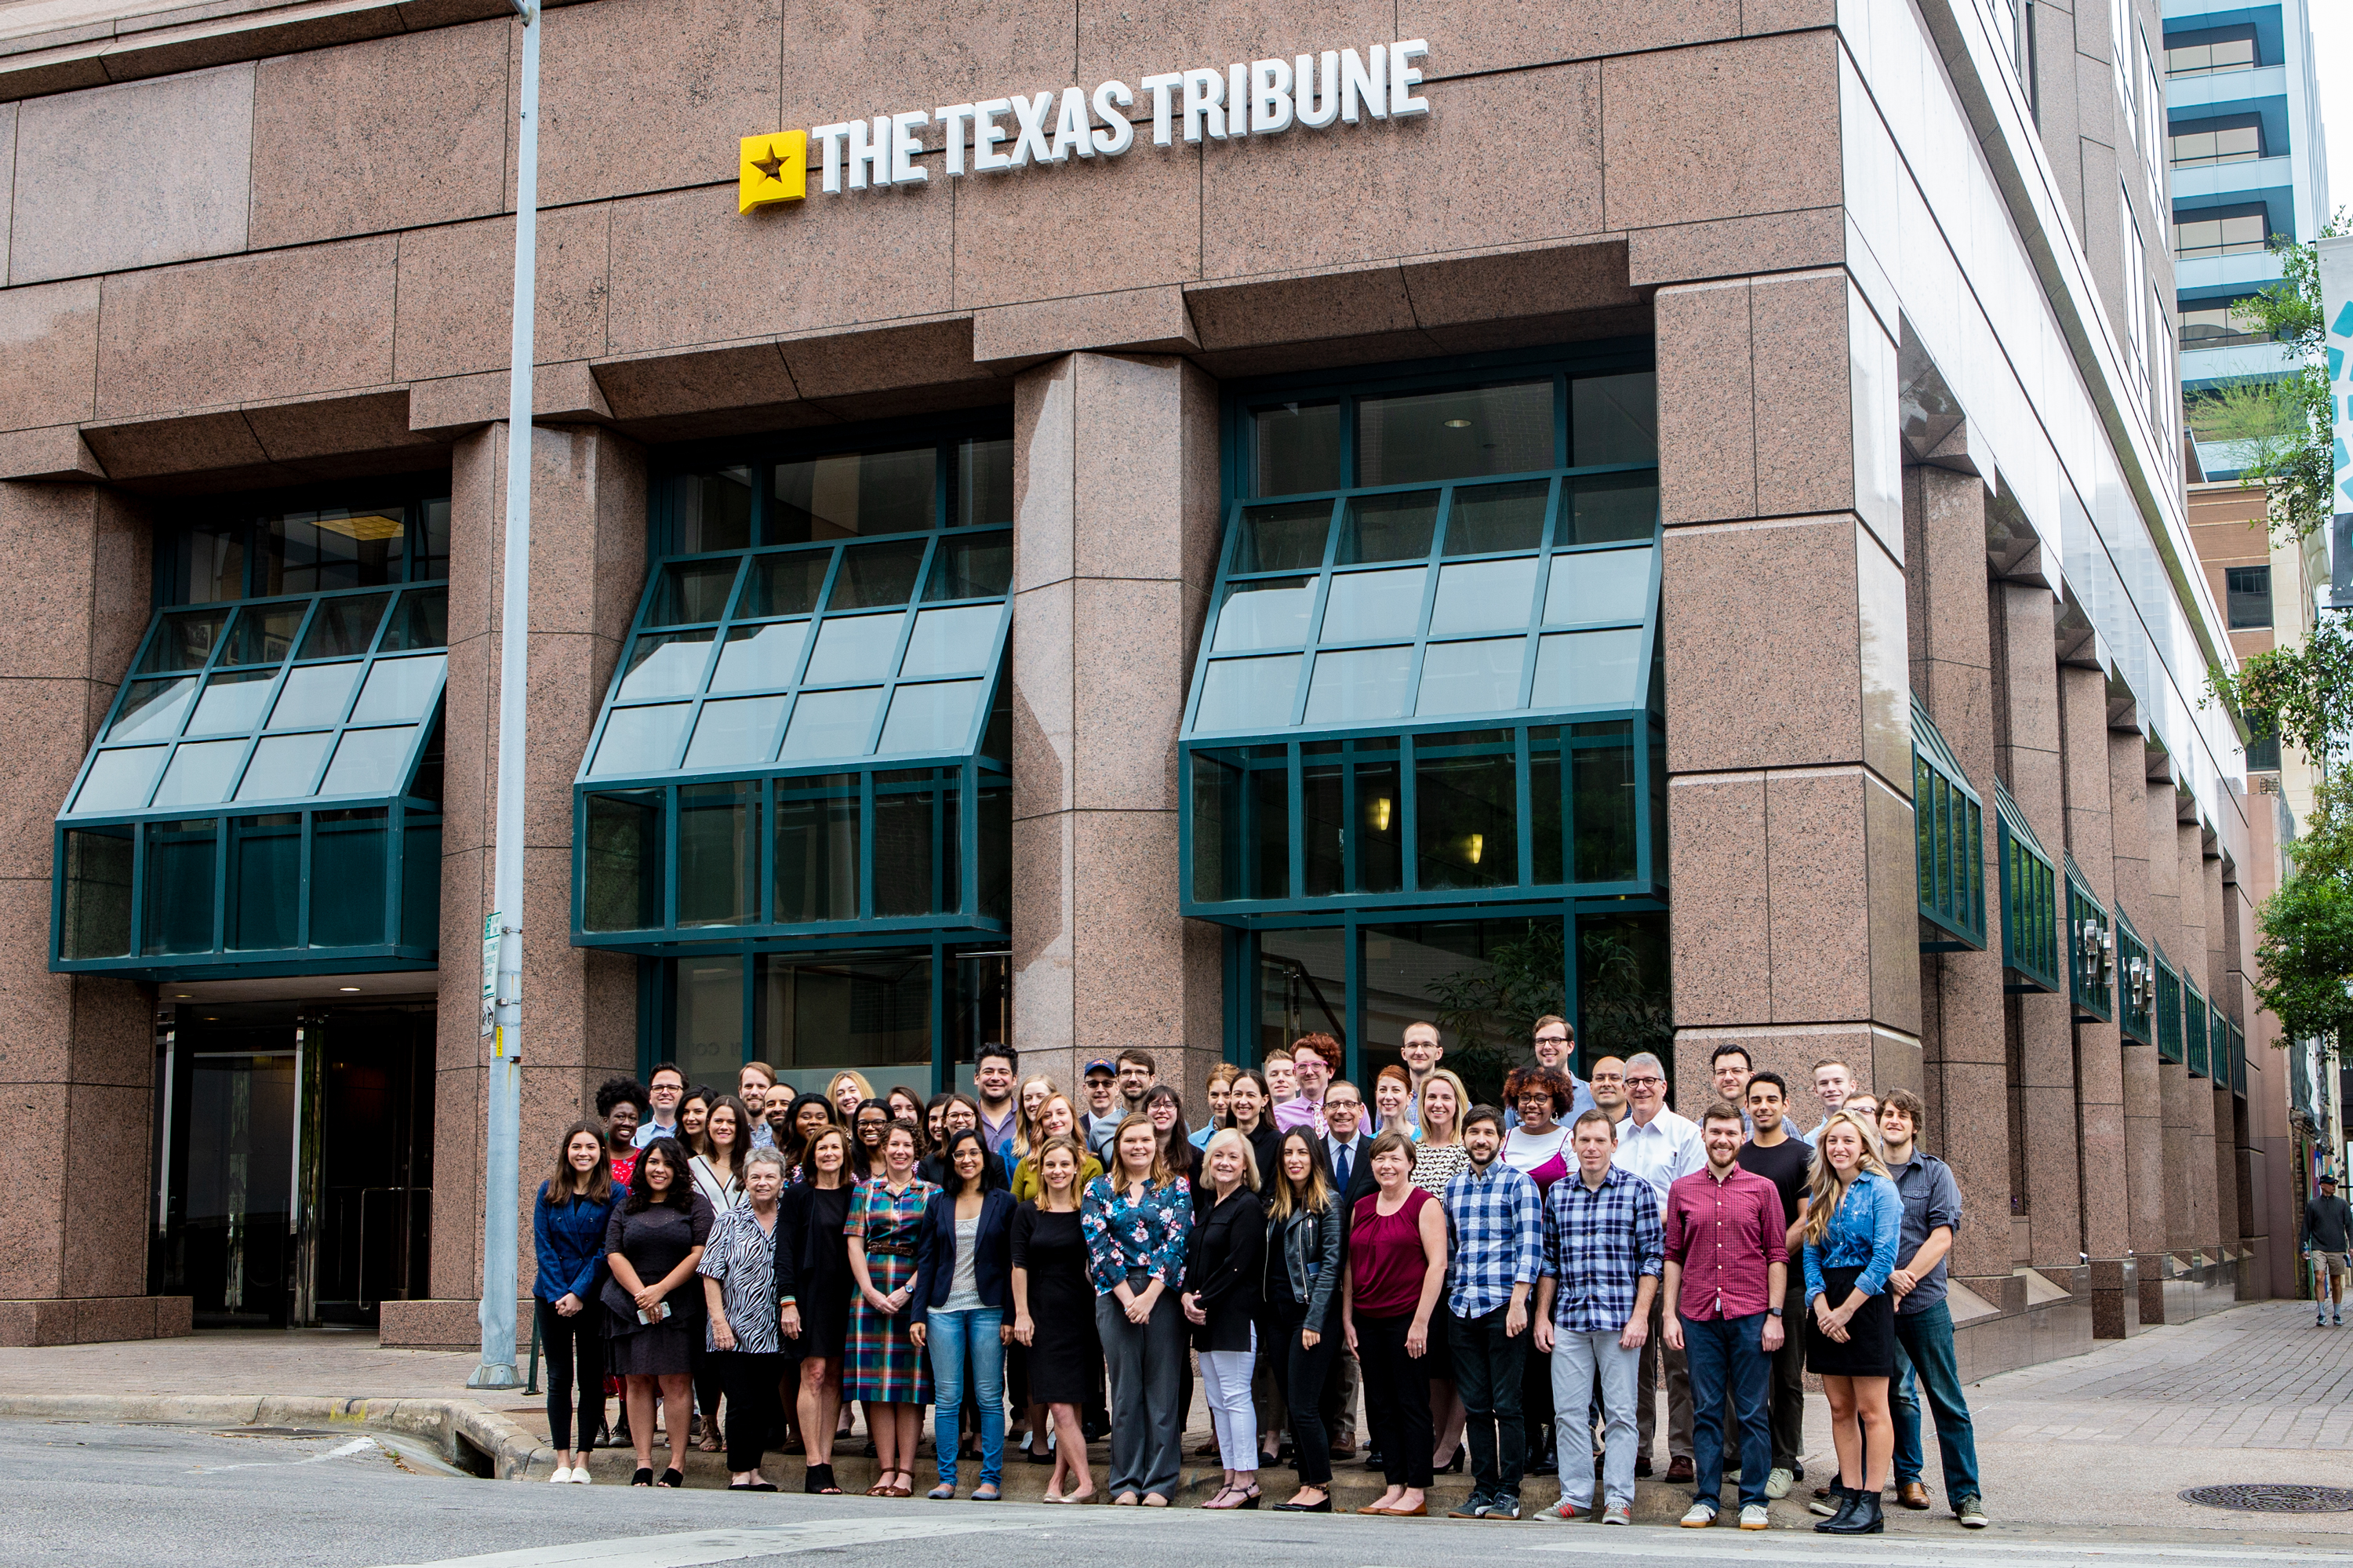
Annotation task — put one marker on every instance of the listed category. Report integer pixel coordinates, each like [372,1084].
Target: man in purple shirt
[1727,1263]
[1311,1064]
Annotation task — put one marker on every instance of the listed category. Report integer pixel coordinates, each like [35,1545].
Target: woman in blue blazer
[567,1231]
[962,1304]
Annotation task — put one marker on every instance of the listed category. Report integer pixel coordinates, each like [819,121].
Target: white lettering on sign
[999,135]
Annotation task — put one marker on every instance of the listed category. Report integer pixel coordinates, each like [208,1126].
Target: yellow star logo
[773,168]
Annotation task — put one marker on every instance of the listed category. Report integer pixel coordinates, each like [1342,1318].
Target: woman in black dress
[653,1301]
[1053,1310]
[813,1293]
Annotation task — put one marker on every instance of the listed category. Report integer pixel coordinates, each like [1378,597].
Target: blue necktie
[1340,1167]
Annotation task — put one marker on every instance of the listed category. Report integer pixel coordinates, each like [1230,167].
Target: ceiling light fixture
[1457,424]
[347,987]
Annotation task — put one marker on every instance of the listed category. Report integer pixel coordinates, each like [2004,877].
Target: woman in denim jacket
[1853,1224]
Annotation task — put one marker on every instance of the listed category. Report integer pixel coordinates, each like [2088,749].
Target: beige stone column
[78,1061]
[2099,1055]
[1964,1034]
[2031,768]
[2143,1101]
[1793,921]
[588,565]
[1115,539]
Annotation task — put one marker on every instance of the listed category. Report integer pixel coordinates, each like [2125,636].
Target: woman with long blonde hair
[1028,1096]
[1853,1225]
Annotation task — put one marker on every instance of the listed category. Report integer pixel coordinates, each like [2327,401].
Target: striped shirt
[1599,1243]
[1498,1222]
[742,1258]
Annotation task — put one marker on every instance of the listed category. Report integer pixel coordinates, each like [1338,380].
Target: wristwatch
[1772,1312]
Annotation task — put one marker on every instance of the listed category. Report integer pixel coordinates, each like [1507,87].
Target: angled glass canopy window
[1948,819]
[2091,949]
[808,731]
[1430,671]
[2030,899]
[2135,985]
[2194,1042]
[2168,1007]
[264,795]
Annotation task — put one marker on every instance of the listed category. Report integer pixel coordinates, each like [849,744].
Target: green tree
[2304,694]
[2300,467]
[2304,962]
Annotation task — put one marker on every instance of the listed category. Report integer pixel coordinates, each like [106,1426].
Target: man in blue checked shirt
[1603,1252]
[1497,1218]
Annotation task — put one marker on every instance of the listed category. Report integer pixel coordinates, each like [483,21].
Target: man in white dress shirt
[1659,1147]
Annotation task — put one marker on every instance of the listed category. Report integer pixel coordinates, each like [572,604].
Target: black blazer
[1360,1173]
[1222,1266]
[806,1252]
[935,1252]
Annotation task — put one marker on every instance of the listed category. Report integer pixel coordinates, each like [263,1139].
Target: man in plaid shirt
[1497,1218]
[1603,1254]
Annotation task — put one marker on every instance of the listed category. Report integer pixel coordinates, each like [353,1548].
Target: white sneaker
[581,1477]
[1778,1484]
[562,1476]
[1700,1516]
[1754,1517]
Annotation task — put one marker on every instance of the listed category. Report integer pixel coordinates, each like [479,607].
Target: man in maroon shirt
[1727,1262]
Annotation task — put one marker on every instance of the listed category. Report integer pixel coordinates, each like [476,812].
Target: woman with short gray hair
[739,1286]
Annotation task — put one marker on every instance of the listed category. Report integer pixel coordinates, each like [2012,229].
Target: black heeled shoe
[1251,1498]
[672,1477]
[1324,1507]
[642,1478]
[1866,1518]
[1848,1498]
[819,1481]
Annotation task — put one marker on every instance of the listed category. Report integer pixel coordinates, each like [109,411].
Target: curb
[468,1434]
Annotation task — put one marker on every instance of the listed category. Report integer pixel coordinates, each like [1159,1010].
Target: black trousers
[1488,1367]
[1397,1399]
[1304,1373]
[567,1342]
[750,1380]
[703,1367]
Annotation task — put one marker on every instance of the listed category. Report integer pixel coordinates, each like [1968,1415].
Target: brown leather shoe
[1912,1495]
[1679,1471]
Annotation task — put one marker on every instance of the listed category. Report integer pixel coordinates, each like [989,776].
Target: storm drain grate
[2271,1499]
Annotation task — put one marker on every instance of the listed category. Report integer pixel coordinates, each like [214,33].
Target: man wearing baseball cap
[1100,1080]
[2327,1239]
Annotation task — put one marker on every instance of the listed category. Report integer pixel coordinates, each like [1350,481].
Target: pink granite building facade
[1897,279]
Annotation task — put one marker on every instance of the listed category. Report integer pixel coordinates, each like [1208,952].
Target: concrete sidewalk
[2254,1395]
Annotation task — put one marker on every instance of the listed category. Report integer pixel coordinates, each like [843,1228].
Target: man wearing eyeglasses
[1661,1148]
[1553,1040]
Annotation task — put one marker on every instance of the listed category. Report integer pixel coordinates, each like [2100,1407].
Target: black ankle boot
[1849,1500]
[1865,1519]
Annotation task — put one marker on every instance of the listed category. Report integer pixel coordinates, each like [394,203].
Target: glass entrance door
[237,1251]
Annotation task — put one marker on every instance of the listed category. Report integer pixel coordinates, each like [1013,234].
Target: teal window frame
[2091,949]
[1948,820]
[965,784]
[2135,985]
[2196,1015]
[142,919]
[2030,899]
[1248,808]
[2238,1059]
[2168,1006]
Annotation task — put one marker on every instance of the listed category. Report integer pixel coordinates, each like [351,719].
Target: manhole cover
[2262,1498]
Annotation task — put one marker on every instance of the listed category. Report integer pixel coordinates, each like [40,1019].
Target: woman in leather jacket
[1305,1224]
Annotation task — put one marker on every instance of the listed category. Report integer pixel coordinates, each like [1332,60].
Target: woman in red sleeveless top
[1397,1265]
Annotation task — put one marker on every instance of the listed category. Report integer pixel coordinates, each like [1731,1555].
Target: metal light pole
[502,932]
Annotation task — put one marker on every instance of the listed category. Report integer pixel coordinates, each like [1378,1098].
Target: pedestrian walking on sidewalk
[1727,1266]
[739,1294]
[1854,1223]
[654,1303]
[2328,1242]
[567,1229]
[1924,1323]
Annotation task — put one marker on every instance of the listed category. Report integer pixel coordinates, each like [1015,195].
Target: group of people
[1511,1283]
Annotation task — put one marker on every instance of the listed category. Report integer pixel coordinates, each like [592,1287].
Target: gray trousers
[1578,1361]
[1146,1364]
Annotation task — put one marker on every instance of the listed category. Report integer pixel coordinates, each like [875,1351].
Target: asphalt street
[93,1496]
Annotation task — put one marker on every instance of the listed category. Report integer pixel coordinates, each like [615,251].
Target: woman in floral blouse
[1137,1221]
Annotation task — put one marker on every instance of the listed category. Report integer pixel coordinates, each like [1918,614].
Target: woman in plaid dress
[884,1368]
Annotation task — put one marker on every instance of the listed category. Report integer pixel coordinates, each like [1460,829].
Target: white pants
[1226,1384]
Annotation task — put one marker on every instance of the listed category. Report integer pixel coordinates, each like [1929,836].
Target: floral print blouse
[1126,1234]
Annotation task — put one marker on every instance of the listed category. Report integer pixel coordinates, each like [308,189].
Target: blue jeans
[1729,1353]
[1923,1344]
[958,1340]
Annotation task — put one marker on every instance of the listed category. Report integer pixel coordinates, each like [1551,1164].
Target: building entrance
[294,1160]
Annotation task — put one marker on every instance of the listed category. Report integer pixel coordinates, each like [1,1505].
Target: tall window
[2221,230]
[2229,139]
[2135,286]
[2211,51]
[2247,593]
[2220,323]
[311,545]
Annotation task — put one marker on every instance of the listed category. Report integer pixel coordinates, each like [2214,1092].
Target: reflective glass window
[1489,519]
[1588,669]
[119,781]
[284,766]
[1470,677]
[369,761]
[831,724]
[640,740]
[854,648]
[1412,437]
[1359,685]
[1484,595]
[951,642]
[666,664]
[741,732]
[152,710]
[1598,585]
[936,718]
[1363,605]
[847,494]
[314,694]
[1248,694]
[200,774]
[1264,612]
[756,657]
[399,689]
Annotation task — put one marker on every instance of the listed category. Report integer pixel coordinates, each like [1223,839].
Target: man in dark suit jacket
[1347,1149]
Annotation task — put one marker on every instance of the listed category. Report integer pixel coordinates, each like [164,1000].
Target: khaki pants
[2328,1278]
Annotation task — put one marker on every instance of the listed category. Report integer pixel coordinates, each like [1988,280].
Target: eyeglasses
[1643,1083]
[1552,1039]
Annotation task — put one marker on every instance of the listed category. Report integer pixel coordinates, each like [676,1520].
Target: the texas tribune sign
[999,135]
